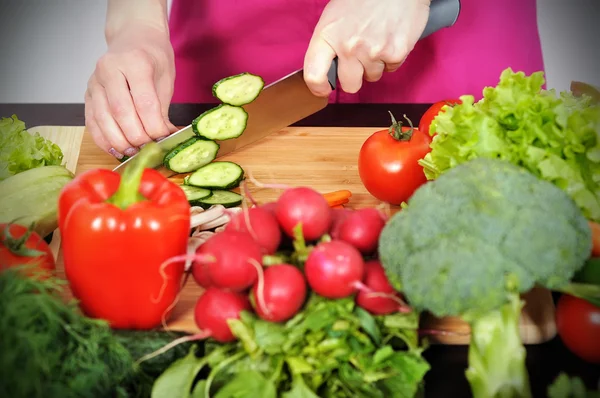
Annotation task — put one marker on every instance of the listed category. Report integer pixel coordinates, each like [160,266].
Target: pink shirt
[213,39]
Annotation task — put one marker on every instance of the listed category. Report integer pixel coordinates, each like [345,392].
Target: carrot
[339,197]
[338,207]
[595,238]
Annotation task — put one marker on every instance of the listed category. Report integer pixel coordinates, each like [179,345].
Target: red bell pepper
[116,232]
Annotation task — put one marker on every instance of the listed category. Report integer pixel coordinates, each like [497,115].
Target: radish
[383,299]
[270,206]
[214,308]
[234,257]
[261,224]
[335,269]
[200,274]
[211,313]
[361,228]
[283,292]
[338,216]
[305,206]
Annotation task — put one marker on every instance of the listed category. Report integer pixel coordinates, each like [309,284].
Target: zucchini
[190,155]
[223,122]
[238,89]
[195,194]
[216,175]
[221,197]
[32,197]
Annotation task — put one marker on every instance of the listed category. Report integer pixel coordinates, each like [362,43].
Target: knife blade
[288,100]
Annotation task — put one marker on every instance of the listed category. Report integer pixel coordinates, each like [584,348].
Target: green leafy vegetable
[49,349]
[555,137]
[469,243]
[330,349]
[21,150]
[570,387]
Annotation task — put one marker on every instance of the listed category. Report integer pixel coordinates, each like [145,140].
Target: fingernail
[116,154]
[130,151]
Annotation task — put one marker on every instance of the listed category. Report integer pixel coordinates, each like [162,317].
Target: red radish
[335,269]
[270,206]
[200,274]
[231,267]
[338,216]
[361,229]
[383,299]
[305,206]
[283,292]
[211,313]
[261,224]
[214,308]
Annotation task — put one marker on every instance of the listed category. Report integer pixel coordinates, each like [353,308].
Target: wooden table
[446,378]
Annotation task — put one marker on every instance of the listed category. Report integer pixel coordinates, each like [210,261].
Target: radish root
[163,319]
[263,185]
[402,306]
[246,193]
[174,343]
[175,259]
[260,288]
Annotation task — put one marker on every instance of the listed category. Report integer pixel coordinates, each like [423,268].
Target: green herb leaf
[248,384]
[178,379]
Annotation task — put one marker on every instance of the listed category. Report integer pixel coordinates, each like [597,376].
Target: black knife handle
[442,14]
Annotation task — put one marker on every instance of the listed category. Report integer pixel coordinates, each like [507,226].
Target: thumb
[317,61]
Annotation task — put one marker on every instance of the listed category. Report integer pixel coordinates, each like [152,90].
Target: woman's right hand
[128,95]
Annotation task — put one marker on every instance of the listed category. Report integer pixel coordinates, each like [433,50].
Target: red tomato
[578,325]
[387,163]
[20,245]
[432,112]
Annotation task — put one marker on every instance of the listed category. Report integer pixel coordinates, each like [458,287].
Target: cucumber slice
[223,122]
[190,155]
[239,89]
[216,175]
[195,194]
[221,197]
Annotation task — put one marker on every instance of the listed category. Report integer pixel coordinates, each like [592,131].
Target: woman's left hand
[368,37]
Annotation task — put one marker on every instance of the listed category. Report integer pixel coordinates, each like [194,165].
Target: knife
[288,100]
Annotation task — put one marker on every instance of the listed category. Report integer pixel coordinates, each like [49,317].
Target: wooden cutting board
[324,159]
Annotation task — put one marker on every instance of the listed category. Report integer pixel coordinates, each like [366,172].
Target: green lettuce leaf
[555,136]
[21,150]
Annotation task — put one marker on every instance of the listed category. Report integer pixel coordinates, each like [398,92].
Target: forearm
[121,13]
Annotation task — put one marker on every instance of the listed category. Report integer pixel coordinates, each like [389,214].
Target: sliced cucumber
[223,122]
[195,194]
[239,89]
[190,155]
[221,197]
[216,175]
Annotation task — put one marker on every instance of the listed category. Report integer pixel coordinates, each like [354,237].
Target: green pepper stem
[128,192]
[396,129]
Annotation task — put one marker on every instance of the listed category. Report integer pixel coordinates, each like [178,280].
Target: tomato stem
[396,129]
[127,194]
[17,246]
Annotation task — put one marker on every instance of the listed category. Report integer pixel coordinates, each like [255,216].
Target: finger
[165,88]
[146,101]
[373,70]
[92,127]
[107,124]
[317,62]
[350,73]
[393,67]
[121,105]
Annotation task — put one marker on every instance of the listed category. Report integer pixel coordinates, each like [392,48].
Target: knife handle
[442,14]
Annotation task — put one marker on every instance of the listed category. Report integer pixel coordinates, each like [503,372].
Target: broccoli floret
[469,243]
